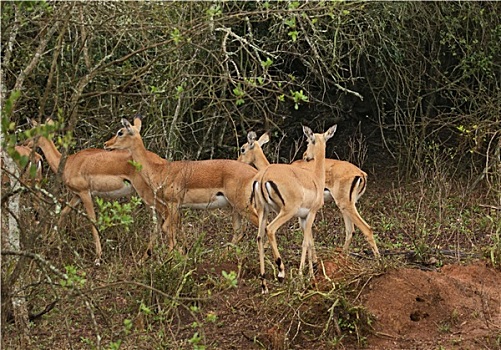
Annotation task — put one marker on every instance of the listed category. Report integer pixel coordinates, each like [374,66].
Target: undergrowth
[195,297]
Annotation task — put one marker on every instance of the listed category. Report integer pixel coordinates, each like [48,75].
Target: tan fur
[202,184]
[93,172]
[291,191]
[339,178]
[252,153]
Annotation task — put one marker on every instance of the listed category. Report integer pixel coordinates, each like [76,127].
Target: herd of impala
[250,187]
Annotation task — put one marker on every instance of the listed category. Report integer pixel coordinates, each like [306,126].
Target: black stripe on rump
[275,189]
[253,194]
[353,184]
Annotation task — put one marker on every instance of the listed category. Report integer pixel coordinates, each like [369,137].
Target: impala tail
[357,189]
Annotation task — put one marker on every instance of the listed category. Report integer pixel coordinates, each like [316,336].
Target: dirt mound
[458,307]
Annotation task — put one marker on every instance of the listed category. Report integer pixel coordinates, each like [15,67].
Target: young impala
[205,184]
[291,191]
[345,183]
[93,172]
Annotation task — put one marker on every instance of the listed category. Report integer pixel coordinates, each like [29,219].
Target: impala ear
[251,138]
[138,121]
[329,133]
[309,134]
[127,126]
[265,138]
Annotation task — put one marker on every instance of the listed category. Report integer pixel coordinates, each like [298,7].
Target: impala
[205,184]
[291,191]
[93,172]
[345,183]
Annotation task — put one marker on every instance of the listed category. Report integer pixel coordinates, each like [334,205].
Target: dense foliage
[425,76]
[415,88]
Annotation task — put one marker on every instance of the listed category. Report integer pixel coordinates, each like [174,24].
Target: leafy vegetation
[414,87]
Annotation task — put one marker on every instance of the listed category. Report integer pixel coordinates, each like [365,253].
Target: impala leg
[355,218]
[349,229]
[153,236]
[74,201]
[89,208]
[236,219]
[167,228]
[263,214]
[308,244]
[271,229]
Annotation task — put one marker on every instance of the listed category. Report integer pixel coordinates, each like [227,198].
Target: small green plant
[293,33]
[180,89]
[214,11]
[267,63]
[128,326]
[115,214]
[444,327]
[115,345]
[74,278]
[298,97]
[176,36]
[87,341]
[239,94]
[386,224]
[230,278]
[494,252]
[196,340]
[211,317]
[145,309]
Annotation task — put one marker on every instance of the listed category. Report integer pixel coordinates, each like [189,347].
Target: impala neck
[144,157]
[320,162]
[261,162]
[52,155]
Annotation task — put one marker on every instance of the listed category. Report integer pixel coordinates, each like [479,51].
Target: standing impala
[345,183]
[93,172]
[205,184]
[291,191]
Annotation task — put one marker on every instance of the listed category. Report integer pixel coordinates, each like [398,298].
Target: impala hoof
[281,276]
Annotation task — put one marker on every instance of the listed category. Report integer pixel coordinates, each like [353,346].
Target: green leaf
[267,63]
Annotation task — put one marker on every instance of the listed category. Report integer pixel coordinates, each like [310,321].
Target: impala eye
[120,133]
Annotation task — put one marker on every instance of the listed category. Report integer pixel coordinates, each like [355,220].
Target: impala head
[314,139]
[126,135]
[35,124]
[47,129]
[248,150]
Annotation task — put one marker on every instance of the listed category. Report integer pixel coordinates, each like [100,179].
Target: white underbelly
[217,202]
[302,213]
[124,191]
